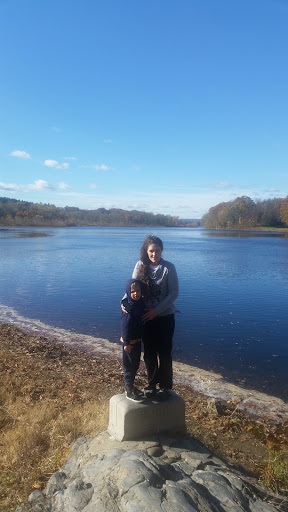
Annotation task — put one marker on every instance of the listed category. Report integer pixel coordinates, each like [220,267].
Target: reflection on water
[23,233]
[233,292]
[245,234]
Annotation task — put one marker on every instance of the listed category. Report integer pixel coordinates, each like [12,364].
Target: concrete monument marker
[129,420]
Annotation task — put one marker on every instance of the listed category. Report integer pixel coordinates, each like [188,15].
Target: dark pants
[157,341]
[131,364]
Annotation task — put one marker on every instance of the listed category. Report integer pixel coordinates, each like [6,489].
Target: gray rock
[103,474]
[56,483]
[75,497]
[36,497]
[155,451]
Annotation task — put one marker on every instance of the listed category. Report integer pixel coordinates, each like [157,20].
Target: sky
[156,105]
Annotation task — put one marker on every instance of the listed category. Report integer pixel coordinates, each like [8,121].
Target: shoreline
[207,383]
[255,229]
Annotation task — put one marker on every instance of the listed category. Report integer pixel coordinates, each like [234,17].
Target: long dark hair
[143,273]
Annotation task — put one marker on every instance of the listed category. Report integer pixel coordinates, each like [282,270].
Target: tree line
[14,212]
[244,213]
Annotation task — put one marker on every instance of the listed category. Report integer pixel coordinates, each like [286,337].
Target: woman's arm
[136,270]
[173,291]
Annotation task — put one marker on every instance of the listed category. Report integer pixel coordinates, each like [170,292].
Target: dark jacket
[131,322]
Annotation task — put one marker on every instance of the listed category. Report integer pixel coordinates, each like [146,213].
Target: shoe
[150,391]
[135,395]
[138,392]
[163,394]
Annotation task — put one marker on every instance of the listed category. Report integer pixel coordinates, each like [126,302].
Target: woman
[161,279]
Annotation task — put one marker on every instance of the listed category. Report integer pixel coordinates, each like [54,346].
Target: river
[231,312]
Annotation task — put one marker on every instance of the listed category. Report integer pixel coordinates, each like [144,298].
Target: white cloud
[272,190]
[56,129]
[40,185]
[185,205]
[97,167]
[222,185]
[20,154]
[63,186]
[8,187]
[94,187]
[69,158]
[83,197]
[56,165]
[101,167]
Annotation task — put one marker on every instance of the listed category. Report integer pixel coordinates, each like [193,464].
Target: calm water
[232,309]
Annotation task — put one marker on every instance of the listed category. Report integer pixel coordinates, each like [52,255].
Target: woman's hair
[143,274]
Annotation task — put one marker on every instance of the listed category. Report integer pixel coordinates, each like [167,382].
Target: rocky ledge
[159,475]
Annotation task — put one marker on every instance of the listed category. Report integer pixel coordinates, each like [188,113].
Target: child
[131,333]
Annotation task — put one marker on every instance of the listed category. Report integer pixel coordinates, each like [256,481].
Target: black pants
[157,341]
[131,364]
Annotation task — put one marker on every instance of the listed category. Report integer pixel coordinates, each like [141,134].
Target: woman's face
[154,254]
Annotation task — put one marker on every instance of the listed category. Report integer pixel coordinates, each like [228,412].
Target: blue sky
[163,106]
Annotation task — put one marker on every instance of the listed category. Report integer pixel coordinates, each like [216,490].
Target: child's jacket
[131,322]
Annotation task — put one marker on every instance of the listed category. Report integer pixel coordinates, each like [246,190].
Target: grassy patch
[37,429]
[275,472]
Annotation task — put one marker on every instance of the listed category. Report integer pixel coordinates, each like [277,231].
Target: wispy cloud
[83,198]
[63,186]
[272,190]
[222,185]
[94,187]
[69,158]
[8,187]
[107,141]
[20,154]
[56,165]
[40,185]
[56,129]
[97,167]
[101,167]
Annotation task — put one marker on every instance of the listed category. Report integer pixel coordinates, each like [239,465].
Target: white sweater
[164,287]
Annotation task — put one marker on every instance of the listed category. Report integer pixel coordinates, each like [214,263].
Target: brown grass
[43,408]
[51,394]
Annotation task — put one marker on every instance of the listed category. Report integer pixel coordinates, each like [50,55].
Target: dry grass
[38,440]
[51,395]
[44,406]
[36,435]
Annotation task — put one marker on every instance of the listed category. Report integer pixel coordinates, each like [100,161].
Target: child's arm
[126,326]
[126,305]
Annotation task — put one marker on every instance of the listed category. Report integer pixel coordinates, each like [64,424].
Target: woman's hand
[128,348]
[150,315]
[123,309]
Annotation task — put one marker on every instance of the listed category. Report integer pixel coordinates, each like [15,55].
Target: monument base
[130,420]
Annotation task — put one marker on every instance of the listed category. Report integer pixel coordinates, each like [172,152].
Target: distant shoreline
[152,226]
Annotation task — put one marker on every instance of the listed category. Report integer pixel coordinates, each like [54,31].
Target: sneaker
[134,396]
[163,394]
[150,391]
[138,392]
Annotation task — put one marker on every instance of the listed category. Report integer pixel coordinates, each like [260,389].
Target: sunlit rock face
[160,474]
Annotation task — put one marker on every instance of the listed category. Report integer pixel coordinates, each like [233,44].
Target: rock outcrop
[157,475]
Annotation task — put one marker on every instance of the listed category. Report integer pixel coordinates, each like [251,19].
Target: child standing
[131,334]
